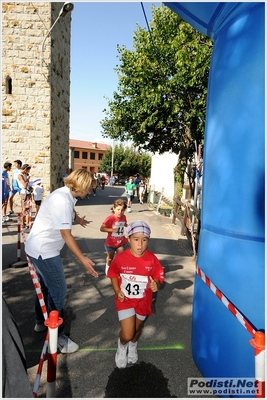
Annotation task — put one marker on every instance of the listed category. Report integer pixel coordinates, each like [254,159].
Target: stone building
[36,88]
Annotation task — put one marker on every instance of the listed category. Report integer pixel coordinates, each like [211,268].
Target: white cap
[35,182]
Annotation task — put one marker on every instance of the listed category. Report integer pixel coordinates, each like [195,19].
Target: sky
[96,30]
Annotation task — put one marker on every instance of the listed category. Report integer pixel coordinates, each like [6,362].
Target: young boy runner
[130,187]
[135,274]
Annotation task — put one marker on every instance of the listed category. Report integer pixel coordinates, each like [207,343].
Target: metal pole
[112,158]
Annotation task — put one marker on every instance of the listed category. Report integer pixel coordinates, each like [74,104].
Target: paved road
[165,360]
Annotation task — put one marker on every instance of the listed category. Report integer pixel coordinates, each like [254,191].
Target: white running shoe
[65,345]
[40,328]
[121,355]
[132,353]
[129,209]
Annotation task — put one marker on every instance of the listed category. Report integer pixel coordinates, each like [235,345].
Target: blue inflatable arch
[231,245]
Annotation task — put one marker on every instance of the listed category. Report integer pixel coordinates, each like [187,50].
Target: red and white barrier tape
[38,290]
[40,367]
[226,302]
[37,287]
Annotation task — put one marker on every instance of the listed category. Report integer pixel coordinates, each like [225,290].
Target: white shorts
[129,312]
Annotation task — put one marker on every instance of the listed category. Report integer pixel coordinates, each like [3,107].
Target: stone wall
[35,99]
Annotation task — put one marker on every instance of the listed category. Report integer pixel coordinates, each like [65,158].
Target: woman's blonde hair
[79,180]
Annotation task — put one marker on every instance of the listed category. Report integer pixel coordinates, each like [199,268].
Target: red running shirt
[115,239]
[134,274]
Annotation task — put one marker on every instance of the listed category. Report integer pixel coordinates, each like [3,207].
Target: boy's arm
[116,288]
[104,228]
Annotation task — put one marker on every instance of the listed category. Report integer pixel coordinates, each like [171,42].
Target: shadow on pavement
[140,380]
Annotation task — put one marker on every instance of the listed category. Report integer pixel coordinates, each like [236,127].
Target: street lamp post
[112,158]
[67,7]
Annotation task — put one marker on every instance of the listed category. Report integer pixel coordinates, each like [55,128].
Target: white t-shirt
[24,176]
[56,213]
[38,192]
[15,173]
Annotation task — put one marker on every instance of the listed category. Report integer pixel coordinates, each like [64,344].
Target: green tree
[160,102]
[126,161]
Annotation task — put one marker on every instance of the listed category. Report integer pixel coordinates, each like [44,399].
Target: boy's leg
[120,249]
[109,258]
[10,200]
[138,329]
[129,203]
[132,345]
[127,332]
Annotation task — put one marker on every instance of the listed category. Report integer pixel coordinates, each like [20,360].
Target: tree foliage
[126,162]
[160,101]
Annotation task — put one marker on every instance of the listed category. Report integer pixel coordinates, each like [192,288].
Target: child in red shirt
[114,225]
[135,274]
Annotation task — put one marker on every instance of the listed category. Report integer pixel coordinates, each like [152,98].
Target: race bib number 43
[133,286]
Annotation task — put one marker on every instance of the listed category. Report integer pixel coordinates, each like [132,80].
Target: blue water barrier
[232,236]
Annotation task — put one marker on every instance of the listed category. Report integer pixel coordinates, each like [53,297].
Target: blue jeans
[53,284]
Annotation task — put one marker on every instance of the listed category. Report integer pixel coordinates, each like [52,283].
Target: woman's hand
[88,265]
[73,246]
[81,220]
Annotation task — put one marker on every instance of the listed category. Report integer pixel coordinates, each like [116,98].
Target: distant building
[87,155]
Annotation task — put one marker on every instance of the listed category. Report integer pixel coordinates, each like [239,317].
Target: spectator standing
[136,182]
[38,191]
[112,181]
[114,225]
[98,181]
[94,184]
[103,182]
[5,189]
[50,231]
[14,187]
[129,189]
[135,274]
[142,189]
[68,171]
[23,178]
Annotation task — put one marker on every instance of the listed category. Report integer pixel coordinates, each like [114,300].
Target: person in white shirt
[38,191]
[50,231]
